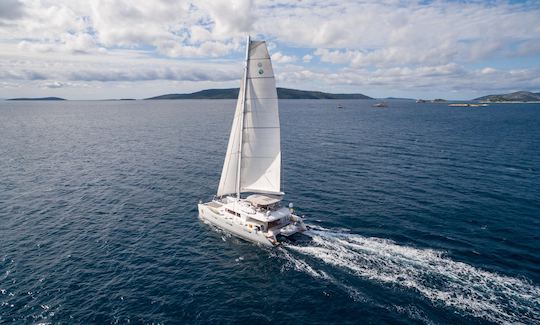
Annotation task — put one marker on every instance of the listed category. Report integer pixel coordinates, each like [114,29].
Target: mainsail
[253,159]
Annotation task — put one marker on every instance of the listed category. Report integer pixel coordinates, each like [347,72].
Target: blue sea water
[421,214]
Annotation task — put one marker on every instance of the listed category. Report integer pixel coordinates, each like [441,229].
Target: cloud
[197,29]
[22,75]
[229,17]
[174,28]
[488,70]
[146,74]
[400,44]
[390,33]
[110,75]
[210,48]
[109,66]
[68,43]
[390,56]
[59,84]
[132,23]
[443,78]
[11,9]
[12,85]
[381,33]
[282,58]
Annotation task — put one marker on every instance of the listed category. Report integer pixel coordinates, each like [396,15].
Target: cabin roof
[263,199]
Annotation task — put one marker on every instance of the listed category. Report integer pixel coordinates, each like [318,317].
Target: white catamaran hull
[207,215]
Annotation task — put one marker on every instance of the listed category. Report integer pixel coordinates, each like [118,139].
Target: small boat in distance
[339,106]
[380,105]
[253,162]
[467,105]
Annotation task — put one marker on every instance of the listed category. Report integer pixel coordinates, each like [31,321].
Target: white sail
[228,181]
[256,123]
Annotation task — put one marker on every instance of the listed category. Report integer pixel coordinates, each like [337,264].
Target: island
[283,93]
[515,97]
[398,98]
[37,98]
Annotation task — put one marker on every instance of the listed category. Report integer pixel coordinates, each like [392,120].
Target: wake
[484,294]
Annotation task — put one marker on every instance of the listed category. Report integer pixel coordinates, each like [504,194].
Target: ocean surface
[420,214]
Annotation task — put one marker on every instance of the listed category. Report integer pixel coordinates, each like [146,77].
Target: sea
[419,214]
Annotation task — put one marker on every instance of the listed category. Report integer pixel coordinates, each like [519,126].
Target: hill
[398,98]
[38,98]
[518,96]
[287,93]
[283,93]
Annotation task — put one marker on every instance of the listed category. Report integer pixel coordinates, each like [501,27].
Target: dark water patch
[427,214]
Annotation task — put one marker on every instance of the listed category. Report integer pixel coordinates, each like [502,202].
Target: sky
[100,49]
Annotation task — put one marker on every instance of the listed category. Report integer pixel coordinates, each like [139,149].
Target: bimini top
[261,200]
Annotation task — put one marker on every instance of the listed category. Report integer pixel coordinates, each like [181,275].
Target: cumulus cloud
[229,17]
[407,45]
[210,48]
[146,74]
[111,67]
[390,56]
[387,33]
[23,74]
[382,33]
[10,9]
[196,28]
[488,70]
[444,78]
[282,58]
[57,84]
[111,74]
[174,28]
[131,23]
[70,43]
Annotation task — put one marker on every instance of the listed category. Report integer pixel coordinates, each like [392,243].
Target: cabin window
[232,212]
[274,223]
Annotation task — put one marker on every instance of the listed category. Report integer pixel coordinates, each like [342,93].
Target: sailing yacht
[253,162]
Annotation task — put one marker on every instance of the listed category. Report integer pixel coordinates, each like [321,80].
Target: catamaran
[253,162]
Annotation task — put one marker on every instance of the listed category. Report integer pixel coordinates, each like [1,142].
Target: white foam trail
[318,227]
[483,294]
[300,265]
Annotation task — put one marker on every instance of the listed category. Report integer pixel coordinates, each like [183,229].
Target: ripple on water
[433,214]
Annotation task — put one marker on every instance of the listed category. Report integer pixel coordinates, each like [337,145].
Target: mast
[242,120]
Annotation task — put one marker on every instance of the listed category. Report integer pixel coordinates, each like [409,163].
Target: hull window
[232,212]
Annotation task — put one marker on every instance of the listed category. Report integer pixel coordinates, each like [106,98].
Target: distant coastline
[513,98]
[519,97]
[510,102]
[283,93]
[37,98]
